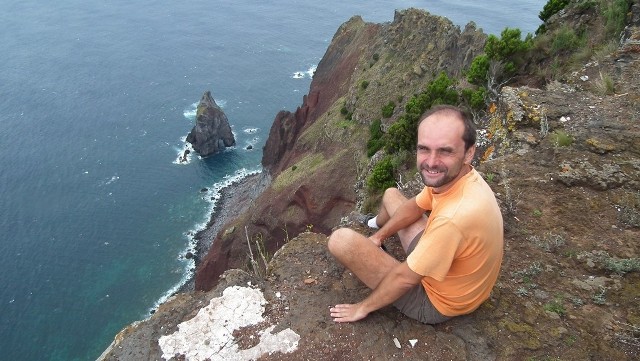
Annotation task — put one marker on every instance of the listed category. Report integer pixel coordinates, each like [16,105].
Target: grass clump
[556,307]
[560,138]
[604,85]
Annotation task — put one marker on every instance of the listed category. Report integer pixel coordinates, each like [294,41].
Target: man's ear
[468,156]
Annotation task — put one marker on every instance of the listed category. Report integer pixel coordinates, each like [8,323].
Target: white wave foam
[190,113]
[185,153]
[212,196]
[250,130]
[113,179]
[306,73]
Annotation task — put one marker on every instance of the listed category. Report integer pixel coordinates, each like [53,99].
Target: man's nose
[430,159]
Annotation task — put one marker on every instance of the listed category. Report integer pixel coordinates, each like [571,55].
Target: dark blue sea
[96,98]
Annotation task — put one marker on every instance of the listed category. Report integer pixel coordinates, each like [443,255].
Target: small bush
[387,110]
[567,40]
[556,307]
[381,176]
[552,7]
[364,84]
[475,98]
[375,142]
[477,73]
[622,265]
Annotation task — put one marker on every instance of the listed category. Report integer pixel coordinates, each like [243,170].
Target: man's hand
[348,312]
[375,239]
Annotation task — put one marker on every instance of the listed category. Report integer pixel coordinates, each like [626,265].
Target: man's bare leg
[391,200]
[356,252]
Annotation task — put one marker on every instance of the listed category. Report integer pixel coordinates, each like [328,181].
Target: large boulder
[212,132]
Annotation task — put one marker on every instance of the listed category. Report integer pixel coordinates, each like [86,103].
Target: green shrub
[364,84]
[388,109]
[375,142]
[381,176]
[552,7]
[403,133]
[475,98]
[344,110]
[477,73]
[508,49]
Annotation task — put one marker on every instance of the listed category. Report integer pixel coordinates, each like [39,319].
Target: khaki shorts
[416,303]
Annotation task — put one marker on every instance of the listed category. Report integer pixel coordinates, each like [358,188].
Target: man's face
[441,156]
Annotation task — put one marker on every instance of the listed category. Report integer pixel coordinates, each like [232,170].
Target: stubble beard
[444,179]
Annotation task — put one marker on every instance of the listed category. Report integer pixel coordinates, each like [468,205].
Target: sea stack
[212,132]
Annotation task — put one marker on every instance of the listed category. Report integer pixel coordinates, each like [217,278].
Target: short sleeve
[424,199]
[436,249]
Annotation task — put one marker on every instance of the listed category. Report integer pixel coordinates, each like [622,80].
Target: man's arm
[407,214]
[395,284]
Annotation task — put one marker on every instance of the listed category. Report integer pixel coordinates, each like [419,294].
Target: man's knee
[339,240]
[391,192]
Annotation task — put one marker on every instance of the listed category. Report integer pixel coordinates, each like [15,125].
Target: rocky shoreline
[234,200]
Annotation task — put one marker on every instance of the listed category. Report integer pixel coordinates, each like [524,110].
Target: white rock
[209,335]
[413,342]
[395,340]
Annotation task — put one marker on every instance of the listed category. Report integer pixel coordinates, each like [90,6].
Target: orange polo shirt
[460,251]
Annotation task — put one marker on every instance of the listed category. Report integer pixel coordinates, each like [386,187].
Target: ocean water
[96,99]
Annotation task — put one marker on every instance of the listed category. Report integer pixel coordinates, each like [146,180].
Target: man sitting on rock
[453,255]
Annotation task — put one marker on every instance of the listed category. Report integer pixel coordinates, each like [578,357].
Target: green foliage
[509,44]
[376,57]
[381,176]
[388,109]
[552,7]
[440,91]
[508,49]
[364,84]
[477,73]
[615,14]
[555,306]
[622,265]
[347,114]
[475,98]
[560,138]
[403,133]
[567,40]
[375,142]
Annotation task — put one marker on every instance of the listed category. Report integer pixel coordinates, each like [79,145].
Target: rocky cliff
[212,131]
[562,159]
[315,156]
